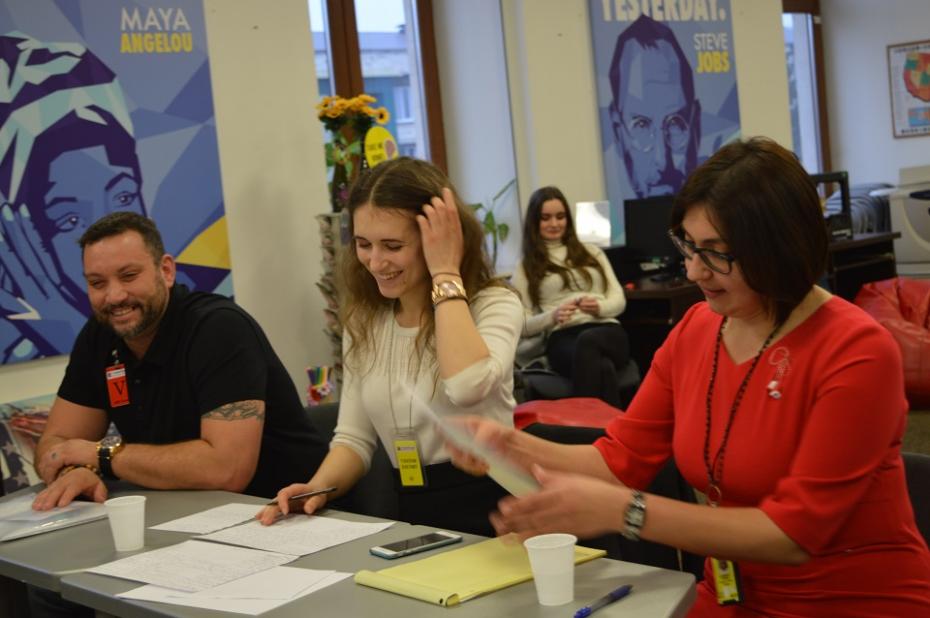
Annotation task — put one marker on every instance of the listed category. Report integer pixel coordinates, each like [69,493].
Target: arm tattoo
[237,411]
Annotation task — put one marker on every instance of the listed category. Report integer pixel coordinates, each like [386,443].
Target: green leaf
[502,231]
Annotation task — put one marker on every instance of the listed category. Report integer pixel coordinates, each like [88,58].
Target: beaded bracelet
[71,467]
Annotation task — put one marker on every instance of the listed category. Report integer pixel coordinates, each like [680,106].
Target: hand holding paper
[505,473]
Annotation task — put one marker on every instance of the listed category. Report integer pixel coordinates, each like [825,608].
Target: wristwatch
[106,451]
[635,516]
[449,289]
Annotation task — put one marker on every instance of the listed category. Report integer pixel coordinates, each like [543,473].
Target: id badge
[726,581]
[117,388]
[409,464]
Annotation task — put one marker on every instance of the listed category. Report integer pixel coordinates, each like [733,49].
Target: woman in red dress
[782,403]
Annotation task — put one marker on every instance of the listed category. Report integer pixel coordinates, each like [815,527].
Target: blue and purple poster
[105,105]
[666,88]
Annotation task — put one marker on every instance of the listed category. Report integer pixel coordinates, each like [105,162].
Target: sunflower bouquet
[347,121]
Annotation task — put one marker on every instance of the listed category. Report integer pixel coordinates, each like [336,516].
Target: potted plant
[495,230]
[347,121]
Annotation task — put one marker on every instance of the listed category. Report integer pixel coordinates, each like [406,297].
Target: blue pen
[604,601]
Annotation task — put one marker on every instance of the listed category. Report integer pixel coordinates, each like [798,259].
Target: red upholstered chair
[572,411]
[902,306]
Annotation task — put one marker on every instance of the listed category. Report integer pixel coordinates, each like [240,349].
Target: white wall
[856,33]
[271,150]
[476,108]
[553,92]
[271,157]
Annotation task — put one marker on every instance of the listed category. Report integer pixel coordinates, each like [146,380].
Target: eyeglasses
[715,260]
[676,129]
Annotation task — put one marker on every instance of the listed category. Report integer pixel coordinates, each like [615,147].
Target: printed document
[506,474]
[192,566]
[211,520]
[297,534]
[18,520]
[253,594]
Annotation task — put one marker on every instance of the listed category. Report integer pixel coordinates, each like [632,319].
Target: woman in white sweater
[570,293]
[422,314]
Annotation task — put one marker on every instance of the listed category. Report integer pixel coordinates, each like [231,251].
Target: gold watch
[450,289]
[106,451]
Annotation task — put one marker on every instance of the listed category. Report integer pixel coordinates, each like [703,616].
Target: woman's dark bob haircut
[768,213]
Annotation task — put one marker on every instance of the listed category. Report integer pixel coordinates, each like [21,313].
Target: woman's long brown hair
[536,262]
[403,185]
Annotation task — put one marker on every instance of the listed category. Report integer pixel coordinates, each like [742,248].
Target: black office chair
[542,383]
[374,493]
[668,483]
[917,471]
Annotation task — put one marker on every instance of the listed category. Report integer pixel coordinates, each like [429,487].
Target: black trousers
[590,355]
[452,499]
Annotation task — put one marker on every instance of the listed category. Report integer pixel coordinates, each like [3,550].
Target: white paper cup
[552,558]
[127,522]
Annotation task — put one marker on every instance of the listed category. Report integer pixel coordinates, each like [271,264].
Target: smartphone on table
[415,545]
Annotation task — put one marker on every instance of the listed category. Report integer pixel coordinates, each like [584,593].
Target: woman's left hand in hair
[575,503]
[441,233]
[589,305]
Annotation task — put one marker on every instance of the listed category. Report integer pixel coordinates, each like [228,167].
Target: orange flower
[383,116]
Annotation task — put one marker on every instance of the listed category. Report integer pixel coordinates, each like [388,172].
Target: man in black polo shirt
[198,395]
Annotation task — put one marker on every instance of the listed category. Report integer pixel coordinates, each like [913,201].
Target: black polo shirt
[207,352]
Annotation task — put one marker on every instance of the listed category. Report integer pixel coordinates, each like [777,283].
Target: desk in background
[860,259]
[43,561]
[652,309]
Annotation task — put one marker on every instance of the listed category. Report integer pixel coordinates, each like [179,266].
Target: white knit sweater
[552,293]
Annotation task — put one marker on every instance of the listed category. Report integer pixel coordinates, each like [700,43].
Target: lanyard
[392,328]
[715,467]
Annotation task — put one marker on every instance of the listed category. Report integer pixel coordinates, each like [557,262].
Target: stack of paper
[253,594]
[300,535]
[18,520]
[211,520]
[225,577]
[456,576]
[192,566]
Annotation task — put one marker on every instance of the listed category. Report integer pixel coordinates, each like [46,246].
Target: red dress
[823,460]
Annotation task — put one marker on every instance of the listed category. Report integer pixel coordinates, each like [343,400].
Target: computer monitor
[646,223]
[592,222]
[838,215]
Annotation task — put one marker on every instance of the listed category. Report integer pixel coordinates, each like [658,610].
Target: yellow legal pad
[456,576]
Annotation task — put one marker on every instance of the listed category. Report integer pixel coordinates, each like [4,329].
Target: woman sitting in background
[571,294]
[423,315]
[782,403]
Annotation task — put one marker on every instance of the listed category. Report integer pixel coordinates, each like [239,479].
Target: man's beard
[151,310]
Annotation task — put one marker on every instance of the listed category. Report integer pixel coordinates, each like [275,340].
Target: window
[802,90]
[402,102]
[804,57]
[385,48]
[321,48]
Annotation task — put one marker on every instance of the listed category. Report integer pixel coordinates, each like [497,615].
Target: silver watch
[635,516]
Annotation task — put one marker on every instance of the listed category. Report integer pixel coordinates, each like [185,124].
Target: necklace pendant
[714,495]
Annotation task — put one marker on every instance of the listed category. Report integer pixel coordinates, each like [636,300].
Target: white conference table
[55,561]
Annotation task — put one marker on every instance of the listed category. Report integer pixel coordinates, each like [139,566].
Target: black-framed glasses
[676,130]
[715,260]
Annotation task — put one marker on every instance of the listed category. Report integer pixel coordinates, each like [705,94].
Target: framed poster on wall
[667,94]
[909,81]
[104,106]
